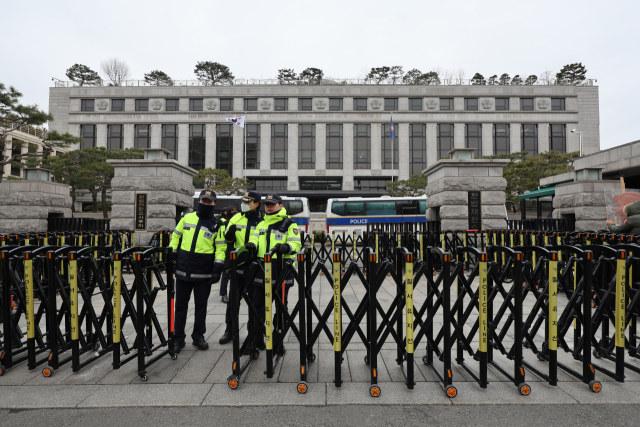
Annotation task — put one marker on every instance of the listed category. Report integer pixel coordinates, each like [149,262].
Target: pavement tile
[392,393]
[501,393]
[612,392]
[265,395]
[55,396]
[146,395]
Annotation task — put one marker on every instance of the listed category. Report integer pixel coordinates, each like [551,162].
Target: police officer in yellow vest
[199,265]
[277,233]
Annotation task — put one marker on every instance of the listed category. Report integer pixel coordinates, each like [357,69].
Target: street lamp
[579,133]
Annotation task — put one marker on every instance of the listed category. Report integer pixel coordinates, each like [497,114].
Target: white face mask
[244,207]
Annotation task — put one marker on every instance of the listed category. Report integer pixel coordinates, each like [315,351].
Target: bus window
[355,209]
[293,207]
[222,205]
[422,207]
[381,208]
[338,209]
[406,207]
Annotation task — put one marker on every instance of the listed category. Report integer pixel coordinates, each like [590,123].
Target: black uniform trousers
[201,290]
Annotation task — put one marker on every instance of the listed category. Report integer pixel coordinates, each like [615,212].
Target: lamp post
[580,134]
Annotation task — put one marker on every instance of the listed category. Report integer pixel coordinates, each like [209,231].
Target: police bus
[297,207]
[353,213]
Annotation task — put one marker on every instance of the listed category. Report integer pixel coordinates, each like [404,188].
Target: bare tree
[460,76]
[447,77]
[116,70]
[547,77]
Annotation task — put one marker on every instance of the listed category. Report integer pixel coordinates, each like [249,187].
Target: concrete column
[101,135]
[183,104]
[293,104]
[130,104]
[487,139]
[403,151]
[376,147]
[210,153]
[432,143]
[458,104]
[238,152]
[265,148]
[347,104]
[7,152]
[156,136]
[347,156]
[514,103]
[543,137]
[183,144]
[403,104]
[128,135]
[458,135]
[514,137]
[321,146]
[292,161]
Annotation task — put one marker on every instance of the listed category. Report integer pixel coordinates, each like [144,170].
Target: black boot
[226,338]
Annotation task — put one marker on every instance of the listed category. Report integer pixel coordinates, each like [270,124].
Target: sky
[42,39]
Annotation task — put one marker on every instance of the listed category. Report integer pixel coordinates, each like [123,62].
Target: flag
[237,121]
[393,134]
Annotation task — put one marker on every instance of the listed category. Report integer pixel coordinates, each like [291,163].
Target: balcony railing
[31,130]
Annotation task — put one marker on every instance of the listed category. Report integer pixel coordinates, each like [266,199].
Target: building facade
[322,141]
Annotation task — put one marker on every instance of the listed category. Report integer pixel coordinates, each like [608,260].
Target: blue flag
[393,134]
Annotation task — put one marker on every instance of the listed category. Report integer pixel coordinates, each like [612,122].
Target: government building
[332,139]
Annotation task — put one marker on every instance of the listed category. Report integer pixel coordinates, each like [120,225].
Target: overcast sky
[41,39]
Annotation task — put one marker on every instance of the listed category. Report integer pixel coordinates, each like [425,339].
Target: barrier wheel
[2,370]
[451,391]
[524,389]
[302,387]
[233,382]
[174,356]
[312,358]
[255,354]
[595,386]
[425,360]
[144,377]
[597,354]
[48,371]
[366,360]
[375,391]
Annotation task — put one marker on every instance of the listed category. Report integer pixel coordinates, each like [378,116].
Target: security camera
[574,130]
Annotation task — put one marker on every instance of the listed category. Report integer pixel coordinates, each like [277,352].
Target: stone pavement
[199,378]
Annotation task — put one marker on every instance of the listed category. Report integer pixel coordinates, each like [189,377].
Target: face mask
[205,211]
[244,207]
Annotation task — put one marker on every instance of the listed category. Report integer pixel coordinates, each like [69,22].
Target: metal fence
[78,224]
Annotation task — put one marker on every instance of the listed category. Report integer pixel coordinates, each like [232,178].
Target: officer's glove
[282,248]
[251,246]
[230,235]
[215,278]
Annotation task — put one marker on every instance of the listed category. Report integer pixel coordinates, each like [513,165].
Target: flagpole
[392,147]
[244,171]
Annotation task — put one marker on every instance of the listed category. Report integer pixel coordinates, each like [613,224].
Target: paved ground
[198,379]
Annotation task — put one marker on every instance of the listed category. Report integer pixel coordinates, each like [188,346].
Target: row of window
[335,104]
[320,184]
[279,152]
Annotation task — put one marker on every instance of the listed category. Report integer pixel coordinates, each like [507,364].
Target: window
[114,137]
[445,139]
[293,207]
[195,104]
[142,105]
[473,138]
[170,139]
[172,105]
[502,104]
[391,104]
[334,146]
[281,104]
[381,208]
[306,146]
[415,104]
[87,104]
[142,136]
[304,104]
[360,104]
[387,155]
[422,207]
[446,104]
[558,138]
[371,184]
[224,147]
[557,104]
[417,148]
[471,104]
[253,146]
[530,139]
[88,135]
[266,184]
[335,104]
[226,104]
[526,104]
[348,208]
[362,146]
[501,139]
[279,146]
[197,144]
[117,105]
[327,184]
[251,104]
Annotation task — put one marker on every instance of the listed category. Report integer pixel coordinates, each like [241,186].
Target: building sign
[141,212]
[475,211]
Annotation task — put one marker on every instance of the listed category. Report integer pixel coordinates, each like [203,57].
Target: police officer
[238,232]
[200,263]
[277,233]
[228,214]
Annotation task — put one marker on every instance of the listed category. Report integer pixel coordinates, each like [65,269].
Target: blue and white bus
[353,213]
[297,207]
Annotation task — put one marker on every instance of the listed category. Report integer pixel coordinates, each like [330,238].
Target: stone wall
[25,206]
[169,188]
[585,200]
